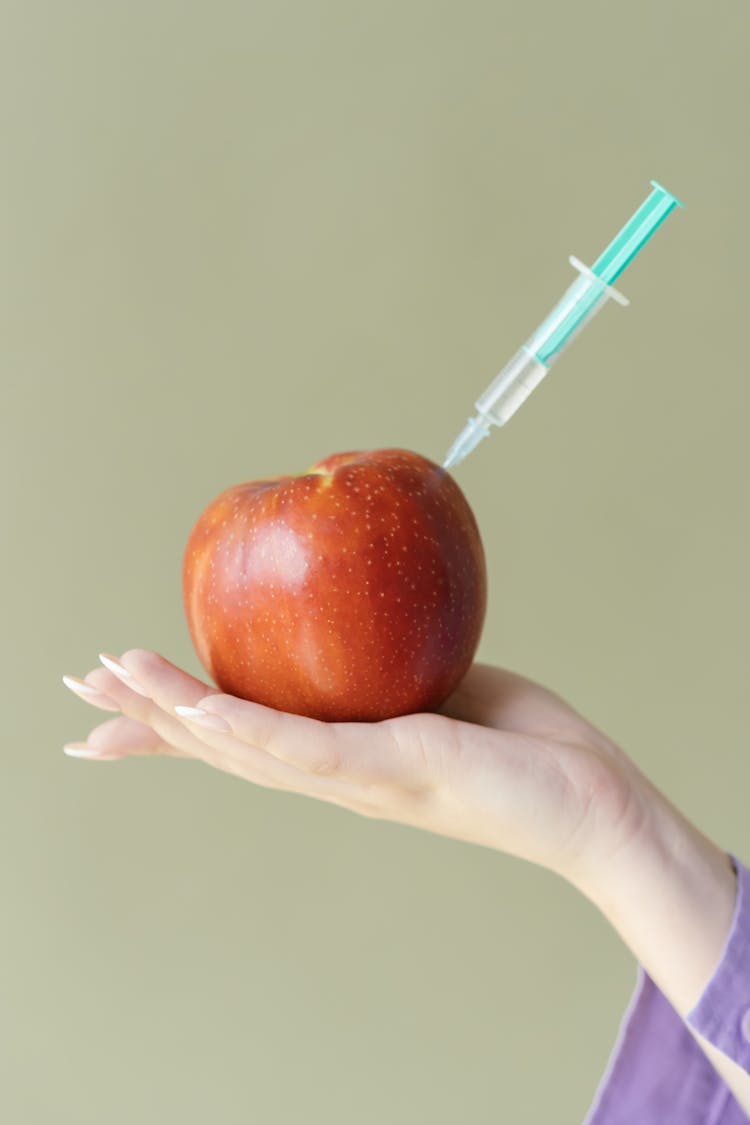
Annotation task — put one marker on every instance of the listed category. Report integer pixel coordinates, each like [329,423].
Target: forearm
[671,898]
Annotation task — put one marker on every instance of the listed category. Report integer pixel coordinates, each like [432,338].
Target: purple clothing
[657,1073]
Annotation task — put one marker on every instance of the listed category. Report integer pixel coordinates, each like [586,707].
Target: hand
[506,764]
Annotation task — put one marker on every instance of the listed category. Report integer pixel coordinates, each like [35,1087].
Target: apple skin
[353,592]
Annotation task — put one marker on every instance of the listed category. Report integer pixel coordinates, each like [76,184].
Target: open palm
[505,763]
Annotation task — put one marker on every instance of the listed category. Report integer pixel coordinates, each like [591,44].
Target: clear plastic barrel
[578,305]
[511,387]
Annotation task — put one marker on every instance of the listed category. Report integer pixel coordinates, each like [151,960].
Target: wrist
[670,893]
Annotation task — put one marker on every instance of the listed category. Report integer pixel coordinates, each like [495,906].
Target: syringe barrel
[578,305]
[511,387]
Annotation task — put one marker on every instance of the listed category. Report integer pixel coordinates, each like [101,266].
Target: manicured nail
[122,674]
[81,750]
[202,718]
[90,694]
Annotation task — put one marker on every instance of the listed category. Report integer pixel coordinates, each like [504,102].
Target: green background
[237,237]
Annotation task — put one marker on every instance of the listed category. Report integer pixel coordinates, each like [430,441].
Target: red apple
[354,591]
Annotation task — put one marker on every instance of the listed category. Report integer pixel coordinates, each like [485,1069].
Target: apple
[355,591]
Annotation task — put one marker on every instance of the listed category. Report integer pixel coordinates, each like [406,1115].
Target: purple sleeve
[657,1072]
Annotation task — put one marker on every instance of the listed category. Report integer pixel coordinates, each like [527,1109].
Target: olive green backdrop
[237,237]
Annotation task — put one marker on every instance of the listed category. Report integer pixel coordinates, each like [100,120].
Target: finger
[169,686]
[345,764]
[142,699]
[105,682]
[122,738]
[314,745]
[492,696]
[387,753]
[498,698]
[137,706]
[152,676]
[89,693]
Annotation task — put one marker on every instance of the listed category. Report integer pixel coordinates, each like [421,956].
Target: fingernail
[122,674]
[90,694]
[81,750]
[202,718]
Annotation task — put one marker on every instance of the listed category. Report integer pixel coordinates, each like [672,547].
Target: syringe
[577,308]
